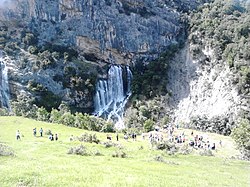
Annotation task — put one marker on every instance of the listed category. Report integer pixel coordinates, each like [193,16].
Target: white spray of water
[4,84]
[111,96]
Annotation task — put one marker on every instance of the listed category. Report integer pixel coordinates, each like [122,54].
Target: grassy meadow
[37,161]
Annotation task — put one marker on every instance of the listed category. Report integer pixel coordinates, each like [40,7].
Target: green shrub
[148,125]
[32,49]
[241,135]
[96,152]
[108,127]
[29,39]
[185,150]
[6,150]
[159,158]
[206,152]
[48,132]
[42,114]
[78,150]
[68,119]
[166,146]
[119,154]
[108,144]
[24,106]
[55,116]
[4,112]
[90,138]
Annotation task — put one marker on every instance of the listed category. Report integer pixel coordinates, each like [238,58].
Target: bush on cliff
[241,134]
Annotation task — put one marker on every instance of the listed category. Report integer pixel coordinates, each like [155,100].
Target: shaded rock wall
[203,93]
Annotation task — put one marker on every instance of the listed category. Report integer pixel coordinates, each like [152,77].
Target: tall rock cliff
[111,30]
[59,49]
[209,78]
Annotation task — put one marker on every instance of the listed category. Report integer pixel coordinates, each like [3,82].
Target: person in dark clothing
[34,131]
[213,147]
[18,135]
[191,143]
[117,137]
[41,132]
[56,137]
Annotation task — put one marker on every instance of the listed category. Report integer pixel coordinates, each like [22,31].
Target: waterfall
[4,89]
[112,95]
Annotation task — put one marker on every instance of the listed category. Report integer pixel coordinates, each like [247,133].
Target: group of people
[199,141]
[126,136]
[41,132]
[130,135]
[195,141]
[109,137]
[170,134]
[51,136]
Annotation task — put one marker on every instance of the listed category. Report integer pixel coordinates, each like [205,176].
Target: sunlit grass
[40,162]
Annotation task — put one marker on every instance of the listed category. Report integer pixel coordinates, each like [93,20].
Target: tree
[148,125]
[68,119]
[80,121]
[42,114]
[63,107]
[24,106]
[241,135]
[55,116]
[108,127]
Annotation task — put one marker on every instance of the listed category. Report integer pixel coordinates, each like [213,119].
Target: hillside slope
[41,162]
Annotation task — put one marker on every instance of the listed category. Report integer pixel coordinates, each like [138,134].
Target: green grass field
[40,162]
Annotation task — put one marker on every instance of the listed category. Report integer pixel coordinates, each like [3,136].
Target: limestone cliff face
[113,30]
[203,93]
[101,31]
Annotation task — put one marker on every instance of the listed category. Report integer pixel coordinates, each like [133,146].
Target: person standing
[117,137]
[56,137]
[34,131]
[41,132]
[18,135]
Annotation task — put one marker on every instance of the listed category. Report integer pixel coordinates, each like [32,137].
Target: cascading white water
[4,89]
[111,96]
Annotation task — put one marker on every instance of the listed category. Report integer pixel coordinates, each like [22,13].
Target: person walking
[18,135]
[41,132]
[34,131]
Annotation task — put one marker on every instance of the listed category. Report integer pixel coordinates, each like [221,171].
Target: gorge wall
[98,33]
[210,78]
[64,50]
[110,30]
[202,92]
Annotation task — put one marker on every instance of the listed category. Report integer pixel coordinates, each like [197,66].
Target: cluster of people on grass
[40,131]
[158,135]
[168,133]
[109,137]
[133,136]
[51,136]
[155,136]
[126,136]
[199,141]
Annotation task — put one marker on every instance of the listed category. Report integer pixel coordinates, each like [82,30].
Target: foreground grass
[40,162]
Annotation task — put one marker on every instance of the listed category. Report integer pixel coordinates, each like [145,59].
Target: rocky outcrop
[113,30]
[203,93]
[103,32]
